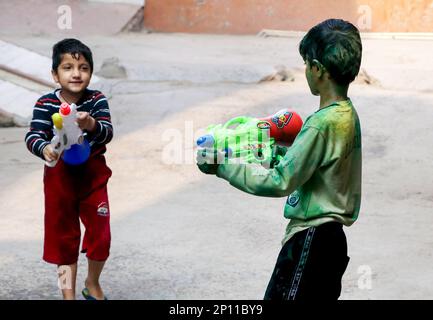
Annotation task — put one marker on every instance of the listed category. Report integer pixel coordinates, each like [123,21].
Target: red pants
[73,193]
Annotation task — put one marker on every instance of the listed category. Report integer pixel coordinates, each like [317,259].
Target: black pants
[310,265]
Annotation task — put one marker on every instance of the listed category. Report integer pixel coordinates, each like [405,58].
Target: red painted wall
[251,16]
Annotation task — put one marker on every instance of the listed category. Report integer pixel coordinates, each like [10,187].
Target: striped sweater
[41,126]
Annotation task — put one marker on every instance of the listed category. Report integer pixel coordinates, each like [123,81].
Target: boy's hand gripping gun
[253,140]
[66,131]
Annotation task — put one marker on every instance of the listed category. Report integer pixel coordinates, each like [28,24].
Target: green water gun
[241,139]
[252,140]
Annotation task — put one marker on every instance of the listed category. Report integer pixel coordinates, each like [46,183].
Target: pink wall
[251,16]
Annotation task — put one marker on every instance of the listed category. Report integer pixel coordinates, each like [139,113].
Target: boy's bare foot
[95,290]
[68,295]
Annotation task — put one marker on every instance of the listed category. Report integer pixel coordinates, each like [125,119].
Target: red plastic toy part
[65,109]
[284,125]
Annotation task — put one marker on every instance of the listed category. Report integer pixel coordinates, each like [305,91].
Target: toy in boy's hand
[68,139]
[284,126]
[252,140]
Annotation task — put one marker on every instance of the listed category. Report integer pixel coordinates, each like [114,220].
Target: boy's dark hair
[75,48]
[336,44]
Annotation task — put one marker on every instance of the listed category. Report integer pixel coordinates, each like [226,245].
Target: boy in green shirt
[320,173]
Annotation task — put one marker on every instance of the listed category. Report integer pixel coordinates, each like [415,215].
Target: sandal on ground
[88,296]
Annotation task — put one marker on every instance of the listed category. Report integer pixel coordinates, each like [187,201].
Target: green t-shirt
[320,173]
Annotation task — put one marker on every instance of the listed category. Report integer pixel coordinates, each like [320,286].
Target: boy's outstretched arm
[297,166]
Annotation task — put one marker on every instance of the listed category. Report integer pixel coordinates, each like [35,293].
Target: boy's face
[311,73]
[73,74]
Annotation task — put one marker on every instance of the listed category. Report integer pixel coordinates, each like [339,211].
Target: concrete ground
[178,234]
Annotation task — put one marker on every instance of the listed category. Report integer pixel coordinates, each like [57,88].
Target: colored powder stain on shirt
[333,192]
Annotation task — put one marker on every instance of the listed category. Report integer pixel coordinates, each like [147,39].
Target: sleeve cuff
[44,145]
[221,171]
[94,135]
[227,171]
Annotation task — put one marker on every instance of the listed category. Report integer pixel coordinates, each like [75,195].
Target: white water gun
[66,130]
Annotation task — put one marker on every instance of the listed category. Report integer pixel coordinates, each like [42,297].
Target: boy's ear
[320,67]
[55,76]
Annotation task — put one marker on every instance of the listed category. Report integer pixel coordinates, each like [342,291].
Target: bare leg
[67,279]
[92,281]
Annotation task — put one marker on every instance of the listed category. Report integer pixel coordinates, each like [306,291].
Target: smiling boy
[74,193]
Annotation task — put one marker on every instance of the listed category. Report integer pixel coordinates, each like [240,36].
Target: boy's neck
[333,94]
[70,97]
